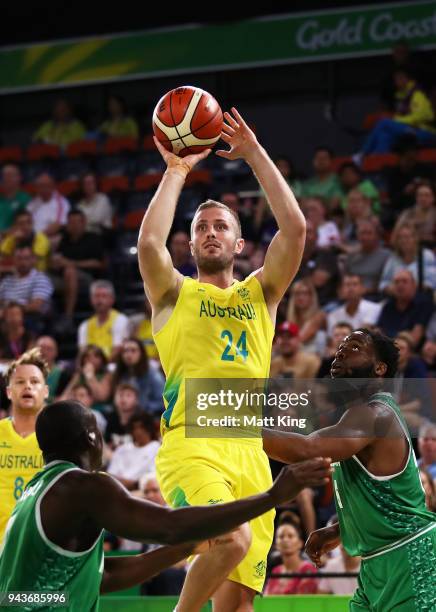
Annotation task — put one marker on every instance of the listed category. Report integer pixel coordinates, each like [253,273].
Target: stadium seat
[38,151]
[112,146]
[10,154]
[199,176]
[69,186]
[81,147]
[133,220]
[146,181]
[377,161]
[114,183]
[338,161]
[148,143]
[427,155]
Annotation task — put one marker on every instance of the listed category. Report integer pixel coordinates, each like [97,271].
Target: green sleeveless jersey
[30,562]
[377,513]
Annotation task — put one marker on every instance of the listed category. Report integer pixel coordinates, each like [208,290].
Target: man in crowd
[356,311]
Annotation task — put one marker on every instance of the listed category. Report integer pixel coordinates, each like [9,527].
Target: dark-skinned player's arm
[357,428]
[284,254]
[126,572]
[155,264]
[109,505]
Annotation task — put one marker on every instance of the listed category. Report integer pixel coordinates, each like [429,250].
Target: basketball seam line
[192,132]
[175,126]
[203,125]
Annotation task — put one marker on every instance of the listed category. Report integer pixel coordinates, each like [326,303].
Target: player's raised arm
[157,270]
[284,254]
[354,432]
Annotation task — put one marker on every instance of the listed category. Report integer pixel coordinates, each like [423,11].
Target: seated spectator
[405,256]
[59,375]
[350,177]
[327,231]
[131,460]
[342,563]
[427,448]
[95,205]
[303,310]
[107,328]
[23,232]
[27,286]
[119,124]
[291,361]
[358,208]
[413,395]
[289,543]
[339,332]
[320,266]
[413,115]
[83,394]
[78,260]
[429,486]
[48,208]
[406,310]
[325,182]
[140,328]
[63,129]
[181,254]
[287,169]
[125,406]
[15,339]
[356,311]
[401,179]
[429,348]
[93,372]
[423,214]
[369,259]
[132,366]
[12,198]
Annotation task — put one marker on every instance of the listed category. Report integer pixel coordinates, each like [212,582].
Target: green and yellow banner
[285,39]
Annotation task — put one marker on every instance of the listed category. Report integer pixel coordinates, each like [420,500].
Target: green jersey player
[379,498]
[54,538]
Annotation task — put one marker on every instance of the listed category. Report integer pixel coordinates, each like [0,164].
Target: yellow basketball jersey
[20,460]
[213,333]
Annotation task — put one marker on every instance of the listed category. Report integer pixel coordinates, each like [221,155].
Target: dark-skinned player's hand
[297,476]
[321,542]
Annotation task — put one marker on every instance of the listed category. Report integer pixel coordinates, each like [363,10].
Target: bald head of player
[67,431]
[215,237]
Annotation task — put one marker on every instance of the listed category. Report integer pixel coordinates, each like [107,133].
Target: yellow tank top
[213,333]
[20,460]
[101,335]
[145,334]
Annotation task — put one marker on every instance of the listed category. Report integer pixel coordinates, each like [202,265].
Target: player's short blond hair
[32,357]
[216,204]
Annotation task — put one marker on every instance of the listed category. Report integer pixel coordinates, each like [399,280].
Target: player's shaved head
[214,204]
[67,431]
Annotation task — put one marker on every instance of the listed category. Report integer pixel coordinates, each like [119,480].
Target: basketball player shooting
[217,327]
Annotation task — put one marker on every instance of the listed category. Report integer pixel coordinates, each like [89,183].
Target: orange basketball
[187,120]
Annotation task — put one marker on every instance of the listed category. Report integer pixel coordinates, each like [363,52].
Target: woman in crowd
[406,254]
[303,310]
[289,543]
[423,214]
[133,367]
[92,371]
[119,124]
[429,489]
[95,205]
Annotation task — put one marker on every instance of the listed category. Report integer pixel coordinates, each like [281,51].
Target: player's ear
[191,246]
[92,436]
[380,368]
[239,246]
[8,392]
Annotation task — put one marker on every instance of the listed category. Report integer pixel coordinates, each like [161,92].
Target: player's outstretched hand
[321,542]
[297,476]
[173,160]
[238,136]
